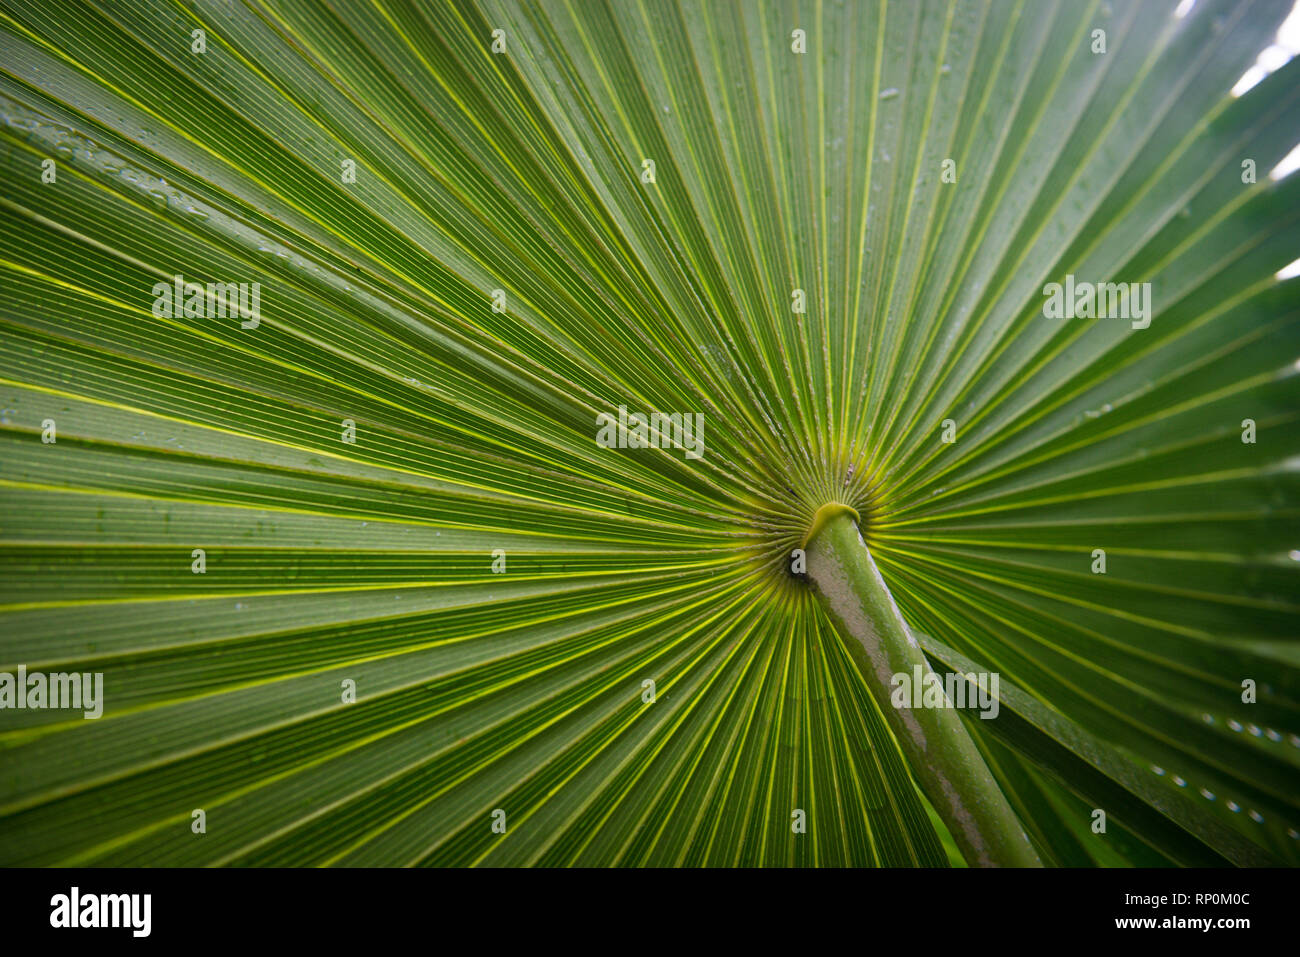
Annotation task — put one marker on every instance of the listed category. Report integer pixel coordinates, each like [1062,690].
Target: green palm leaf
[516,178]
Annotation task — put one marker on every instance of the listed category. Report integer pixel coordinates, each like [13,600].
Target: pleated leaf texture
[362,581]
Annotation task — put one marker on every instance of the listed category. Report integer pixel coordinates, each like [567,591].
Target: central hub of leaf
[824,514]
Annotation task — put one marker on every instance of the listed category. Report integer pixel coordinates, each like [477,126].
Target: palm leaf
[521,171]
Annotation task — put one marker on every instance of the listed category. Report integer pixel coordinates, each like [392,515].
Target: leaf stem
[942,755]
